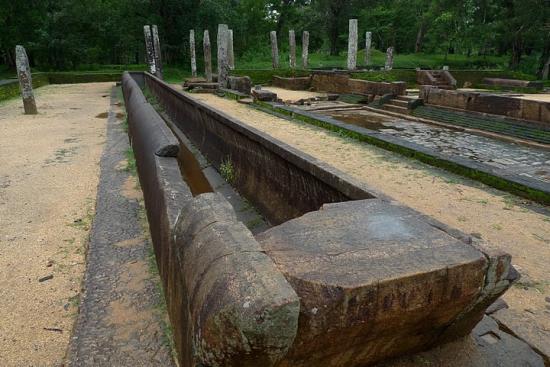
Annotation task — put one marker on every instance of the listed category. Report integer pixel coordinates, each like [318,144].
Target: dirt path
[48,179]
[518,227]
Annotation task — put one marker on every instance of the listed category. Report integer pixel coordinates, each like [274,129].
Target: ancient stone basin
[345,277]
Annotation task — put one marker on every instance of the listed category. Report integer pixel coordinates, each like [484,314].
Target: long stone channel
[340,261]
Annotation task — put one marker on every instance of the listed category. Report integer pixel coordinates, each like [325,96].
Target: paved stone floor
[122,320]
[522,160]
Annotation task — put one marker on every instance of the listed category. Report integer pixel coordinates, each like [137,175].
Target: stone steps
[483,123]
[398,109]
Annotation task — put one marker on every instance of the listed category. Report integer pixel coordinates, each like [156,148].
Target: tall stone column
[223,66]
[292,49]
[368,43]
[230,51]
[156,47]
[207,56]
[352,45]
[192,51]
[25,80]
[274,50]
[305,49]
[149,49]
[389,58]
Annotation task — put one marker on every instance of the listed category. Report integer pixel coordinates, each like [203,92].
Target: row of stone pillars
[292,49]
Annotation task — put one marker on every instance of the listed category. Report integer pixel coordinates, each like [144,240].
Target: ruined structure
[25,80]
[157,51]
[207,56]
[149,49]
[368,41]
[223,66]
[274,50]
[352,45]
[389,58]
[305,49]
[292,49]
[230,51]
[341,261]
[192,52]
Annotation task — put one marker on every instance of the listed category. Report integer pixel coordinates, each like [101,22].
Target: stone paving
[527,161]
[121,321]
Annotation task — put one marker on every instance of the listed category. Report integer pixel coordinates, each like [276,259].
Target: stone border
[494,177]
[226,300]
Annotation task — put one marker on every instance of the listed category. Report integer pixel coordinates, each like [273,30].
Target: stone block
[241,84]
[299,83]
[530,110]
[264,95]
[240,310]
[377,278]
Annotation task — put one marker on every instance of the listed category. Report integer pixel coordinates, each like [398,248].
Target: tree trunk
[544,61]
[420,37]
[517,50]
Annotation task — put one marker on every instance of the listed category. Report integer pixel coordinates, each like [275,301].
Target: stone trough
[344,276]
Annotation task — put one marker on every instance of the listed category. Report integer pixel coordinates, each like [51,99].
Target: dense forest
[64,34]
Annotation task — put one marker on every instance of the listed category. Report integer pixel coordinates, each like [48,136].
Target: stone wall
[297,83]
[488,103]
[338,82]
[281,182]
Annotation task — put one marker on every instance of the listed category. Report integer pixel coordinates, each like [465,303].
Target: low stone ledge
[336,82]
[298,83]
[513,83]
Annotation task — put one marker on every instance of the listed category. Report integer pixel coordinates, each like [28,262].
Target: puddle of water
[192,173]
[371,122]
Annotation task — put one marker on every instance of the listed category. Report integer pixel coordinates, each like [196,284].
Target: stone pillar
[193,54]
[389,58]
[223,66]
[274,50]
[207,56]
[230,52]
[25,80]
[156,47]
[368,43]
[149,49]
[352,45]
[305,49]
[292,49]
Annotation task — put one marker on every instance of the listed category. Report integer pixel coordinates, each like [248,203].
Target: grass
[227,170]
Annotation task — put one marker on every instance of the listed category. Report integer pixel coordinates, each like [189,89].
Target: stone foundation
[338,82]
[488,103]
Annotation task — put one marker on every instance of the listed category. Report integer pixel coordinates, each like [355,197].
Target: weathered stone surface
[368,44]
[305,49]
[207,56]
[378,278]
[274,49]
[149,49]
[158,51]
[264,95]
[513,83]
[335,82]
[25,80]
[299,83]
[230,50]
[499,304]
[488,103]
[523,325]
[292,49]
[389,59]
[241,311]
[352,45]
[223,66]
[192,52]
[241,84]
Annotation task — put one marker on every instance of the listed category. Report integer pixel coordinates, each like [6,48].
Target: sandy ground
[48,181]
[542,97]
[521,228]
[293,95]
